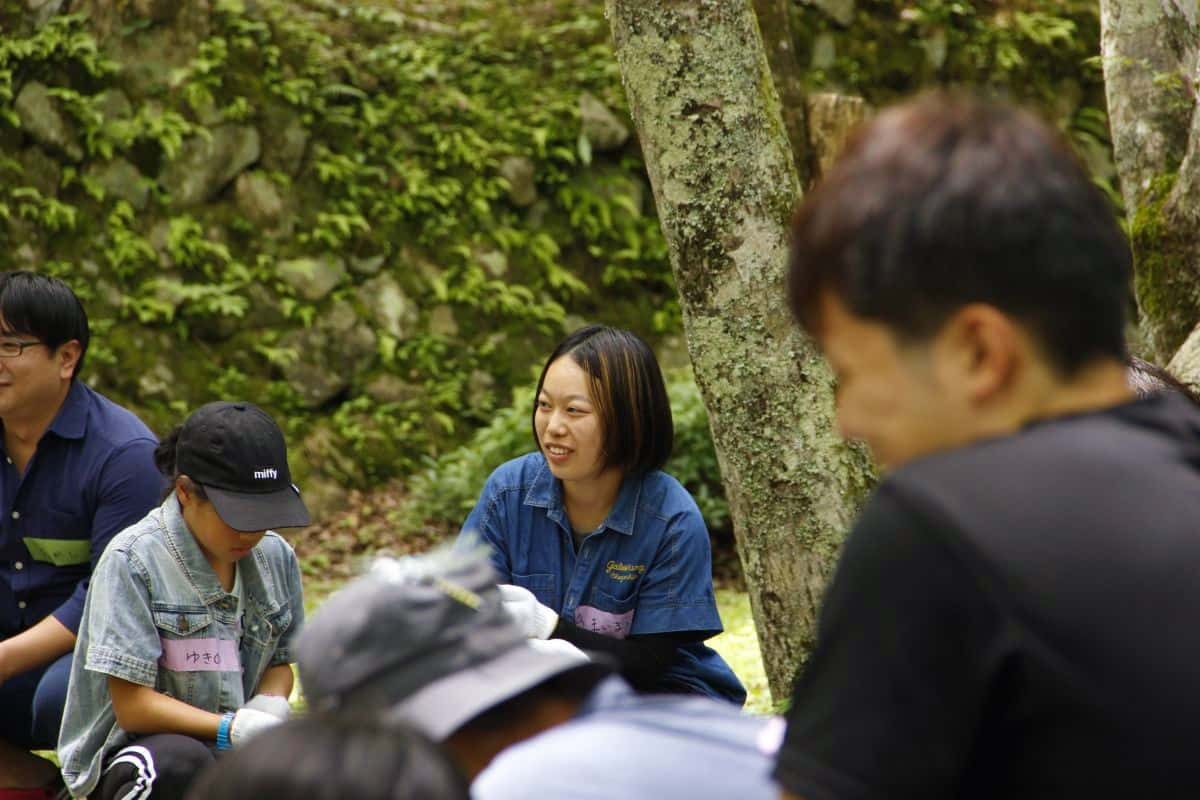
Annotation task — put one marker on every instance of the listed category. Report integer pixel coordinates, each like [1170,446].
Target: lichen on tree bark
[775,28]
[720,164]
[1151,59]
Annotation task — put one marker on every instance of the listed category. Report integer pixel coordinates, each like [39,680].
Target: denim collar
[545,491]
[71,420]
[200,574]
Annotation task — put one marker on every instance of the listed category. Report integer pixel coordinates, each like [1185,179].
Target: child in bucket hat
[426,641]
[186,641]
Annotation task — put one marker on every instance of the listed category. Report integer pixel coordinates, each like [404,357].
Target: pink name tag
[604,622]
[200,655]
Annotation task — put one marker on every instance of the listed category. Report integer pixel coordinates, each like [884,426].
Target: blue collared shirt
[647,569]
[620,744]
[93,475]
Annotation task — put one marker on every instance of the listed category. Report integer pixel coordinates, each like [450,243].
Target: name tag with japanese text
[200,655]
[604,622]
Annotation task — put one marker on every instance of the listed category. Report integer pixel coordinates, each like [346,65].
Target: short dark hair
[45,308]
[951,199]
[628,390]
[328,757]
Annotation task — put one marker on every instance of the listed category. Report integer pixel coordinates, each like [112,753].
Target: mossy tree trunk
[1151,54]
[720,163]
[775,27]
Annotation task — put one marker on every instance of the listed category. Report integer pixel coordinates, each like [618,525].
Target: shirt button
[18,565]
[16,515]
[21,604]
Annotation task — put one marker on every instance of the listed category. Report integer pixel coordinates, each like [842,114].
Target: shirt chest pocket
[266,630]
[55,537]
[191,642]
[542,586]
[606,614]
[617,598]
[180,621]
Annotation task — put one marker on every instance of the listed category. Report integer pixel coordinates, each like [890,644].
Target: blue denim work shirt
[157,616]
[621,744]
[647,569]
[93,475]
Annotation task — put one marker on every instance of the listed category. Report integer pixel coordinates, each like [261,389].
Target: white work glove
[274,704]
[558,647]
[248,723]
[535,620]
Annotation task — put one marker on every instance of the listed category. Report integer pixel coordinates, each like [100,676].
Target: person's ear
[67,357]
[981,350]
[183,490]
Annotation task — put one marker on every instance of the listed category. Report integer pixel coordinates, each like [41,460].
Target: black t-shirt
[1019,618]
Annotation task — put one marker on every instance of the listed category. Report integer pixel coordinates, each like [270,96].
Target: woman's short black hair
[44,308]
[629,394]
[330,757]
[951,199]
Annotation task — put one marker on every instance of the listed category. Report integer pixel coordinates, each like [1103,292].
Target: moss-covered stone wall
[374,217]
[370,221]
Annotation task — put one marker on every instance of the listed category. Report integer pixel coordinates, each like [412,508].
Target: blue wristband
[223,726]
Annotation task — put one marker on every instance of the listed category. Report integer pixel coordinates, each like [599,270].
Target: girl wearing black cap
[185,646]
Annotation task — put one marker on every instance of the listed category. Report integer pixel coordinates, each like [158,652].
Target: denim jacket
[156,615]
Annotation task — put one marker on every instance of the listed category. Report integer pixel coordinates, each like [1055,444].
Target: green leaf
[584,147]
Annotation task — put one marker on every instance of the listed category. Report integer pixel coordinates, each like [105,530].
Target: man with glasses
[75,469]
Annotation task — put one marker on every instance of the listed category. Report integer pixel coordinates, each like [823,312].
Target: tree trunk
[831,119]
[1185,364]
[775,27]
[1151,53]
[719,160]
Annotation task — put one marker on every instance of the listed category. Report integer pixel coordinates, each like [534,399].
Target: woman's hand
[535,620]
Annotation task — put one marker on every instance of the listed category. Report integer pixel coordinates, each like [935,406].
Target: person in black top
[1013,614]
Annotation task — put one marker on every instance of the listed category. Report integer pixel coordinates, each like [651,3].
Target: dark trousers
[158,767]
[32,705]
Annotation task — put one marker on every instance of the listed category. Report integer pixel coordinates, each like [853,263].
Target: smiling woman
[593,542]
[567,427]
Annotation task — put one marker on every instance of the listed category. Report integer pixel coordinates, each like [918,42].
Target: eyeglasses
[10,348]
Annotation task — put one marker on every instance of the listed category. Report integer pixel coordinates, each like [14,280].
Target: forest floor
[335,550]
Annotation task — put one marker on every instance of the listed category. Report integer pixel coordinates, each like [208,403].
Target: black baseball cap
[237,453]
